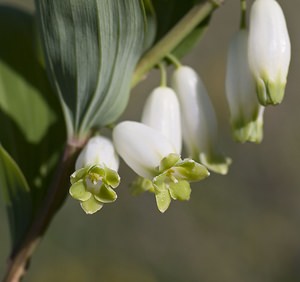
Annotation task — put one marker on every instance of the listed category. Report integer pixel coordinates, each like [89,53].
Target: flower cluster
[152,148]
[257,68]
[96,175]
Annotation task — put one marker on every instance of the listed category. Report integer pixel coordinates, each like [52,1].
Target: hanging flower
[153,157]
[96,175]
[246,112]
[269,50]
[199,123]
[162,112]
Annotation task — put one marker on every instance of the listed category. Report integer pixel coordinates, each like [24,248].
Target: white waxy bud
[269,50]
[162,112]
[98,151]
[199,124]
[245,110]
[141,147]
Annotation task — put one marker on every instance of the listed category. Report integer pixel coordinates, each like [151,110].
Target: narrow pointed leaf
[17,197]
[30,115]
[92,48]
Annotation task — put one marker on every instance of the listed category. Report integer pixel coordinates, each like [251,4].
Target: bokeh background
[243,227]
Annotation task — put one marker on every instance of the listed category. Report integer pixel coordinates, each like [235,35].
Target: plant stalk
[19,260]
[174,37]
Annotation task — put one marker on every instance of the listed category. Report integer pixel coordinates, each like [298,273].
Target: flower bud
[199,123]
[245,110]
[96,175]
[161,112]
[269,50]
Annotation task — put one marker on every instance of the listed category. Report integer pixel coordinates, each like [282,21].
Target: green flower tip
[92,186]
[248,132]
[172,180]
[216,163]
[270,92]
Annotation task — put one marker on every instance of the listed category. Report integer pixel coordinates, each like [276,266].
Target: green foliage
[16,195]
[169,13]
[32,130]
[92,48]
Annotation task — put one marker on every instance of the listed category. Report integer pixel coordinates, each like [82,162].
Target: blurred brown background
[244,227]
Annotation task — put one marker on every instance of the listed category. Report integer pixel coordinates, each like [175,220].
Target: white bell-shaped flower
[162,112]
[269,50]
[245,110]
[98,151]
[141,147]
[153,157]
[199,123]
[96,176]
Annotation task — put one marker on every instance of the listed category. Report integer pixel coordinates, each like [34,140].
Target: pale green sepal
[78,191]
[79,174]
[168,162]
[248,132]
[180,191]
[163,198]
[216,163]
[141,185]
[112,178]
[96,169]
[270,93]
[91,205]
[106,194]
[190,170]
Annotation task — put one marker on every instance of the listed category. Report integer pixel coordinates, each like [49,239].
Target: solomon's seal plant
[63,93]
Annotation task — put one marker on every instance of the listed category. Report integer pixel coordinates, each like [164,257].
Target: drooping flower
[153,157]
[269,50]
[96,175]
[245,110]
[162,112]
[199,123]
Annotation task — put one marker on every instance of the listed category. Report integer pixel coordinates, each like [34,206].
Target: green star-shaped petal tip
[172,181]
[92,186]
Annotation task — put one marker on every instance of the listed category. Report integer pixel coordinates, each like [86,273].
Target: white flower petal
[141,147]
[199,123]
[269,47]
[162,112]
[240,84]
[98,150]
[241,92]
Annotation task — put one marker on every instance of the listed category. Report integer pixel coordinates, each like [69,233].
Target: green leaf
[32,128]
[17,197]
[168,14]
[92,48]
